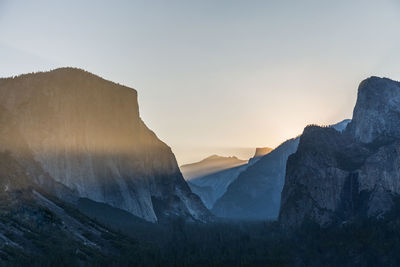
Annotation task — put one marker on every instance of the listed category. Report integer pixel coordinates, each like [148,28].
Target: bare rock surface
[86,134]
[336,176]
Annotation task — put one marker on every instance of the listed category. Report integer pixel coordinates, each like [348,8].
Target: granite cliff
[256,193]
[337,176]
[86,134]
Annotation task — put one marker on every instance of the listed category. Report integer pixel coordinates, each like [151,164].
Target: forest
[226,243]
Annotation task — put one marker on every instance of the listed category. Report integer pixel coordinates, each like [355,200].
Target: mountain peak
[75,69]
[214,156]
[217,157]
[375,80]
[330,174]
[75,78]
[377,111]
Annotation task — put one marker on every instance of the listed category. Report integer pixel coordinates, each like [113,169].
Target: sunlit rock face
[336,176]
[86,133]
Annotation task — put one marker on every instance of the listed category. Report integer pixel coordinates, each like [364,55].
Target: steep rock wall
[86,133]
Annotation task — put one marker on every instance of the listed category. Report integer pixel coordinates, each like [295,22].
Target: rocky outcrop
[377,110]
[261,151]
[86,134]
[336,176]
[340,126]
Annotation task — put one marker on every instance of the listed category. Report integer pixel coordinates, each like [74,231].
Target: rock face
[29,215]
[255,194]
[86,134]
[210,177]
[260,152]
[340,126]
[334,176]
[213,184]
[211,187]
[377,110]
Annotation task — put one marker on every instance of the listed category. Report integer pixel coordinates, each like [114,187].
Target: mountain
[36,225]
[210,177]
[210,165]
[256,193]
[87,137]
[338,176]
[211,186]
[340,126]
[260,152]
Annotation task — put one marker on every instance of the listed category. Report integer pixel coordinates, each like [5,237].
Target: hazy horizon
[214,77]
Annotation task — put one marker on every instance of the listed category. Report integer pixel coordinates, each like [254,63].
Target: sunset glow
[214,74]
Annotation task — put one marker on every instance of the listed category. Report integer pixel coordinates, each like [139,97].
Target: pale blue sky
[213,76]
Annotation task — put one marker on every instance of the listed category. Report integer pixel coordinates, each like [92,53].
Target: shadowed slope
[255,194]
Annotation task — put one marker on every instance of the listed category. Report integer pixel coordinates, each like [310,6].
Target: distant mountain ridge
[212,186]
[209,165]
[219,172]
[255,194]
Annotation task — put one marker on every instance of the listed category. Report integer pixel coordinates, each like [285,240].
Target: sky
[214,77]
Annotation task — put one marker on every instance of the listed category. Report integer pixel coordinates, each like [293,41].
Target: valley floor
[359,243]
